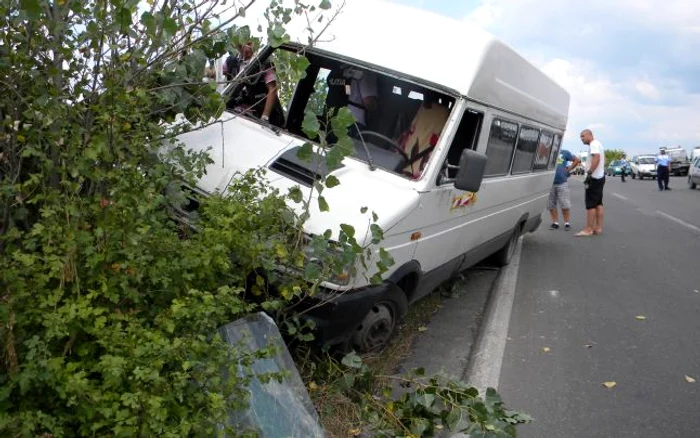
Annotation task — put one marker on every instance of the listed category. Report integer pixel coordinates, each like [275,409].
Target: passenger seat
[420,139]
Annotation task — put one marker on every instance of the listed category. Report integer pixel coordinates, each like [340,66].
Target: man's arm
[270,99]
[576,161]
[595,160]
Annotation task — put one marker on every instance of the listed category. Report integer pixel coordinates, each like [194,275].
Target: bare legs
[599,214]
[594,220]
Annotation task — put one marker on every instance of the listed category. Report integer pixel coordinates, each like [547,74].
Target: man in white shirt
[595,181]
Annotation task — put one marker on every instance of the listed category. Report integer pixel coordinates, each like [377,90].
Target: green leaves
[322,204]
[310,125]
[277,35]
[123,18]
[426,405]
[332,181]
[32,8]
[348,230]
[352,360]
[305,151]
[295,194]
[342,121]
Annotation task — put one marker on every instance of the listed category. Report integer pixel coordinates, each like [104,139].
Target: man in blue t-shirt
[559,195]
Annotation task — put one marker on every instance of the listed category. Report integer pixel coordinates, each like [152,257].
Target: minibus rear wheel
[378,326]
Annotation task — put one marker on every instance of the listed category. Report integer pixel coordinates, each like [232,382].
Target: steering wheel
[394,145]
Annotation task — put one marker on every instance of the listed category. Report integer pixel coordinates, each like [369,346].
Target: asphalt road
[622,307]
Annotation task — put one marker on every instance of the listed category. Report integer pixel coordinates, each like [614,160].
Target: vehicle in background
[616,168]
[694,173]
[581,168]
[694,153]
[643,166]
[680,164]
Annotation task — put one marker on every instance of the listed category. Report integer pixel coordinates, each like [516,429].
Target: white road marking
[678,221]
[621,197]
[484,369]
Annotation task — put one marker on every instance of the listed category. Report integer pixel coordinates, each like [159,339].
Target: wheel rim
[376,329]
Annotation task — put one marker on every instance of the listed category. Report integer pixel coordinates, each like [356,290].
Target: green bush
[108,310]
[108,307]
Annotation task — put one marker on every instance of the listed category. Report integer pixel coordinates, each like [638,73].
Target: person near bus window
[258,95]
[559,194]
[358,91]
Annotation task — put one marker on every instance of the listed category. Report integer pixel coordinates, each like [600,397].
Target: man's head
[663,151]
[246,50]
[586,136]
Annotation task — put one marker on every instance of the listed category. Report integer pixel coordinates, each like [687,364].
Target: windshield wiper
[372,167]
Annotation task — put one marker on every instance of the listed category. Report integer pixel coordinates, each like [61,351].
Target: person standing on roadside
[663,167]
[623,167]
[594,183]
[559,194]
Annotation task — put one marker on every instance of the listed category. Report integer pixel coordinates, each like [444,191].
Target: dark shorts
[594,193]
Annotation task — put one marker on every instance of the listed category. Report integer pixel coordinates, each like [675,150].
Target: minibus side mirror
[471,171]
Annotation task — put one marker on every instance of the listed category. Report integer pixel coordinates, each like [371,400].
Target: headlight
[331,259]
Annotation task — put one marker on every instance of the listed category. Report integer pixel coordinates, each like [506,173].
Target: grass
[340,416]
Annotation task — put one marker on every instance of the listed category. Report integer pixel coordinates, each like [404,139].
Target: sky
[631,67]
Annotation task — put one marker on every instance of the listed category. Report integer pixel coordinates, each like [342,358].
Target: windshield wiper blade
[364,145]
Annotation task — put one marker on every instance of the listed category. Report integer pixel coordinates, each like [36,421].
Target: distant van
[694,153]
[481,183]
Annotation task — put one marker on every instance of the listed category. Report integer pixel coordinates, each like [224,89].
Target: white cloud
[647,89]
[486,14]
[627,104]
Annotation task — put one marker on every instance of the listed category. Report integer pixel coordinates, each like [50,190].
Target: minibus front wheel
[505,254]
[379,324]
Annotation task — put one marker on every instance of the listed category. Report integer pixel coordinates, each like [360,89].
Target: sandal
[584,234]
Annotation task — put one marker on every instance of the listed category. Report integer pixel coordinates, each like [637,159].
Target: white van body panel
[429,225]
[237,145]
[257,146]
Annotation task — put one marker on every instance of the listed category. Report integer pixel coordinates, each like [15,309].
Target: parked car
[482,184]
[616,168]
[694,173]
[643,166]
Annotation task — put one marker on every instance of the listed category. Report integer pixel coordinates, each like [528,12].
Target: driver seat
[419,140]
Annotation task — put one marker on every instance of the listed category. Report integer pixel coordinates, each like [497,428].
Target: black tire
[378,326]
[634,176]
[505,254]
[691,184]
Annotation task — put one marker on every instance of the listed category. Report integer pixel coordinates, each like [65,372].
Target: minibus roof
[446,52]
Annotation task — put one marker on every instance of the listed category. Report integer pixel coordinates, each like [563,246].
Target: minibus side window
[526,149]
[544,149]
[500,147]
[466,137]
[555,152]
